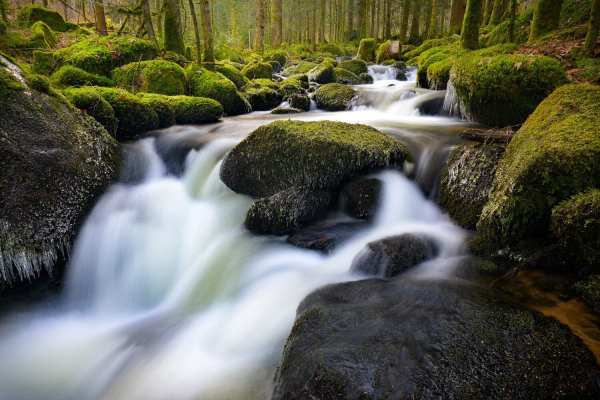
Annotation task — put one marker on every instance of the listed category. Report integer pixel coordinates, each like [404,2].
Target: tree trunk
[428,13]
[592,35]
[545,18]
[414,26]
[511,22]
[362,19]
[469,39]
[259,20]
[433,31]
[277,32]
[172,37]
[314,28]
[45,3]
[66,11]
[148,18]
[457,14]
[322,23]
[207,34]
[387,24]
[404,23]
[497,11]
[196,31]
[100,18]
[487,13]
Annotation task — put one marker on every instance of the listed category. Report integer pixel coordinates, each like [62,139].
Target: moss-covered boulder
[366,50]
[282,212]
[262,99]
[258,70]
[345,77]
[100,55]
[316,155]
[426,45]
[391,256]
[155,76]
[134,115]
[355,66]
[390,50]
[286,110]
[71,76]
[575,223]
[299,68]
[367,79]
[375,339]
[32,13]
[261,83]
[195,110]
[430,57]
[504,90]
[290,87]
[279,56]
[361,199]
[302,78]
[334,97]
[233,74]
[322,73]
[162,106]
[438,74]
[54,164]
[467,181]
[213,85]
[42,36]
[551,158]
[90,102]
[299,101]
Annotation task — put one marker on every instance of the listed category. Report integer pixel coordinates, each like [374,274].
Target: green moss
[264,83]
[172,35]
[280,56]
[286,110]
[70,76]
[89,101]
[546,17]
[413,62]
[162,106]
[258,71]
[262,99]
[213,85]
[299,68]
[589,67]
[42,36]
[39,83]
[366,50]
[438,74]
[355,66]
[321,73]
[286,154]
[43,62]
[575,223]
[426,45]
[334,97]
[590,291]
[156,76]
[133,114]
[233,74]
[432,56]
[552,157]
[102,55]
[290,87]
[32,13]
[195,110]
[333,48]
[504,90]
[390,50]
[345,77]
[574,12]
[499,34]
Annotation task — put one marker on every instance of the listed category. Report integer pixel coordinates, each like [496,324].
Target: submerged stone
[325,236]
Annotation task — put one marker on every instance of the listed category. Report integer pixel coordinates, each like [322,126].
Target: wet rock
[280,56]
[319,155]
[277,68]
[325,236]
[286,110]
[401,339]
[322,73]
[299,101]
[291,87]
[467,181]
[361,198]
[366,50]
[366,79]
[54,163]
[334,97]
[401,76]
[400,66]
[391,256]
[432,107]
[258,70]
[262,99]
[390,50]
[282,212]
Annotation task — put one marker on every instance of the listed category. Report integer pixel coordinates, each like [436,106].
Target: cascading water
[169,297]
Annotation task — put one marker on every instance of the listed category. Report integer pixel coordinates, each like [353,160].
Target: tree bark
[433,30]
[404,23]
[277,32]
[100,18]
[148,18]
[172,37]
[592,34]
[259,20]
[469,38]
[545,18]
[511,22]
[457,14]
[314,28]
[487,13]
[428,13]
[196,31]
[497,11]
[322,23]
[207,34]
[362,19]
[414,26]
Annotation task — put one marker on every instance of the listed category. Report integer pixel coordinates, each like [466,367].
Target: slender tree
[322,23]
[100,18]
[433,30]
[313,38]
[259,18]
[172,34]
[3,8]
[147,16]
[362,18]
[414,26]
[497,12]
[545,18]
[457,14]
[487,13]
[511,21]
[207,34]
[196,31]
[277,24]
[469,39]
[404,23]
[592,34]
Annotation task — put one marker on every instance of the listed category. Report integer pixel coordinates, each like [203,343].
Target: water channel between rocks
[169,297]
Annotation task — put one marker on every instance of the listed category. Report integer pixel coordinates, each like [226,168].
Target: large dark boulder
[407,339]
[54,163]
[391,256]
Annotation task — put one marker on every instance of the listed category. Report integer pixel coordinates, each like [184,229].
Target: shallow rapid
[169,297]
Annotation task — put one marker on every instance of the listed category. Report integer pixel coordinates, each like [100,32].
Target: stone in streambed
[299,101]
[361,198]
[286,110]
[334,97]
[322,73]
[325,236]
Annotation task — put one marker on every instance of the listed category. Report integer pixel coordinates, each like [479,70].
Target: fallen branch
[490,136]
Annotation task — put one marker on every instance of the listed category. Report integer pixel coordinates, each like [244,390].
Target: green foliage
[355,66]
[258,71]
[155,76]
[213,85]
[102,55]
[89,101]
[195,110]
[574,12]
[503,90]
[589,67]
[553,157]
[71,76]
[32,13]
[162,106]
[334,97]
[366,50]
[590,291]
[575,223]
[233,74]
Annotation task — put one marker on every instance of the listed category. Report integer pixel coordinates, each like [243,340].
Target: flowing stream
[169,297]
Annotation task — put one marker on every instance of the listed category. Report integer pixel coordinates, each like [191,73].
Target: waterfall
[450,100]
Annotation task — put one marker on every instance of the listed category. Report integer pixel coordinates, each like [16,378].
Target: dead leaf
[84,111]
[518,65]
[122,97]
